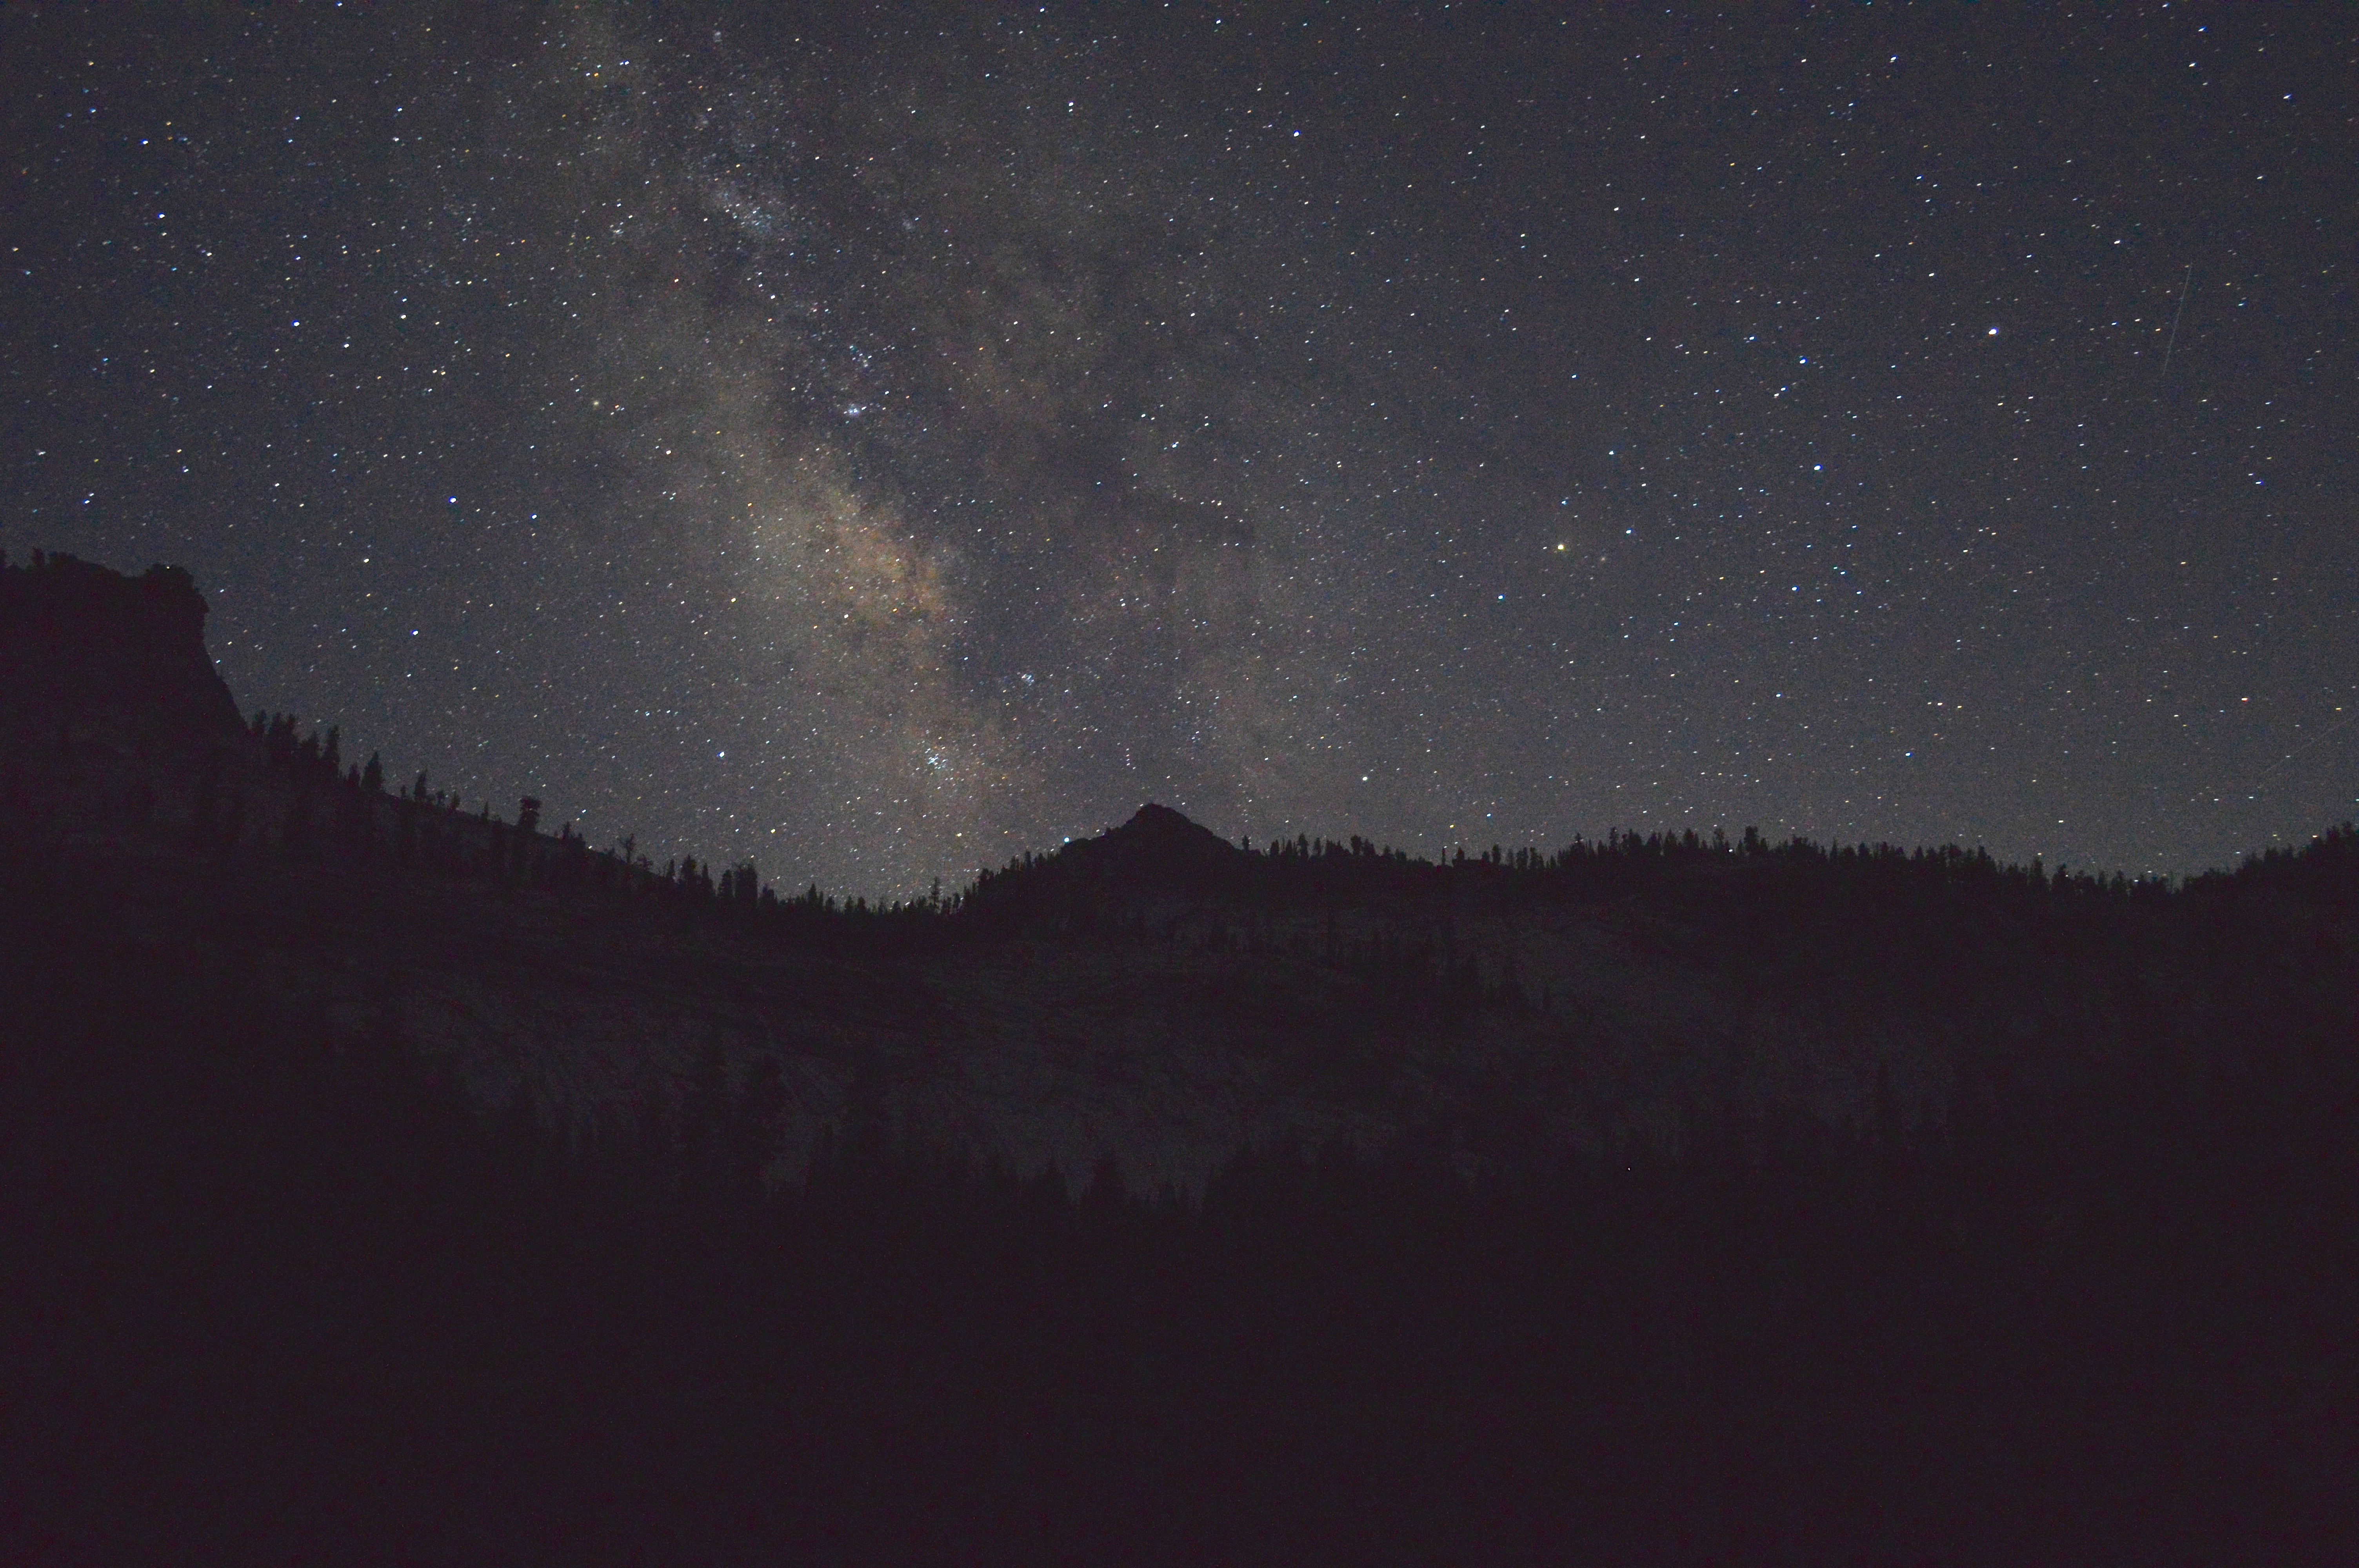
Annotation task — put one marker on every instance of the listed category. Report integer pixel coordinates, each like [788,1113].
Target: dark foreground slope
[269,1299]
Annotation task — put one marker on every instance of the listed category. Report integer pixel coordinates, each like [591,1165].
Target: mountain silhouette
[381,1173]
[1158,840]
[1156,860]
[1156,992]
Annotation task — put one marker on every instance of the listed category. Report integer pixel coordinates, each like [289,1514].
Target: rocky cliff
[94,656]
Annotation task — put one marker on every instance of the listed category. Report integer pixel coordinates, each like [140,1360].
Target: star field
[877,441]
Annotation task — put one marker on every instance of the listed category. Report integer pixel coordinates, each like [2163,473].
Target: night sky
[875,442]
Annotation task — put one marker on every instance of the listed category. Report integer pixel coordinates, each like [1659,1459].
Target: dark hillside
[273,1298]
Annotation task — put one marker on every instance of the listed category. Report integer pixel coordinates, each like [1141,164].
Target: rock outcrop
[88,653]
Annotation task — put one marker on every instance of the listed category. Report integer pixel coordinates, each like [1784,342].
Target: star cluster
[875,441]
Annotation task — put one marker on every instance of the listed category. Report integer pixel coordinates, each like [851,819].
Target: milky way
[879,443]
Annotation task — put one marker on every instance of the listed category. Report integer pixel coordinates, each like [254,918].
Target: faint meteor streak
[2176,315]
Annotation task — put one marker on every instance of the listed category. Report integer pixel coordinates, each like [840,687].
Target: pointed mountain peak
[1157,849]
[1154,823]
